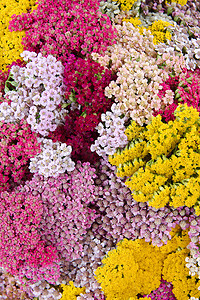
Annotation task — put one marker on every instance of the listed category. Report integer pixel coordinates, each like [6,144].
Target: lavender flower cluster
[38,93]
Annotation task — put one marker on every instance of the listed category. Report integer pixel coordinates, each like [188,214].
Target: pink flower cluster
[18,145]
[21,246]
[37,94]
[63,27]
[185,89]
[67,214]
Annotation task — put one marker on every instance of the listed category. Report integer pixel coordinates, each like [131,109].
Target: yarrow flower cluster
[128,41]
[162,160]
[137,86]
[67,214]
[10,42]
[21,245]
[100,82]
[18,145]
[61,27]
[54,159]
[85,81]
[120,275]
[37,95]
[111,131]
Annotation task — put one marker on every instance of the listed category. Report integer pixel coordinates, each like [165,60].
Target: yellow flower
[126,4]
[181,2]
[70,292]
[136,267]
[134,131]
[10,42]
[162,161]
[133,267]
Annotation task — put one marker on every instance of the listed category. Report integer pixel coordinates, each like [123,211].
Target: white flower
[33,110]
[107,116]
[31,120]
[50,105]
[102,141]
[100,128]
[115,109]
[108,92]
[43,114]
[36,99]
[109,150]
[70,165]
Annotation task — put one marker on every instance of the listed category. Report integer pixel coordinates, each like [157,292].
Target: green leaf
[83,114]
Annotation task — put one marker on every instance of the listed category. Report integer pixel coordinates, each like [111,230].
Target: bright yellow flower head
[181,2]
[162,161]
[136,267]
[70,292]
[10,42]
[126,5]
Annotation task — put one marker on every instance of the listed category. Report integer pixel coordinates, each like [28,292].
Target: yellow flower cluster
[70,292]
[10,42]
[136,267]
[126,5]
[162,160]
[136,23]
[181,2]
[158,29]
[160,32]
[133,267]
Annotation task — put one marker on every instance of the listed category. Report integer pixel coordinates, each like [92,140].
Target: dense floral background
[100,150]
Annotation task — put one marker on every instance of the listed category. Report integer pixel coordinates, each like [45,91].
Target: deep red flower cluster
[18,144]
[20,243]
[62,27]
[85,82]
[187,90]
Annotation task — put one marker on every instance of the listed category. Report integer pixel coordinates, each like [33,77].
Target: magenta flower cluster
[63,27]
[18,144]
[21,246]
[85,81]
[186,89]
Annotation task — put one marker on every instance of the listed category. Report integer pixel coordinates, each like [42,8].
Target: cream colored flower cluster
[137,86]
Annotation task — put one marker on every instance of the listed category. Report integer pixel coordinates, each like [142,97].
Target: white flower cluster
[182,43]
[193,264]
[38,94]
[54,159]
[43,291]
[110,8]
[111,132]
